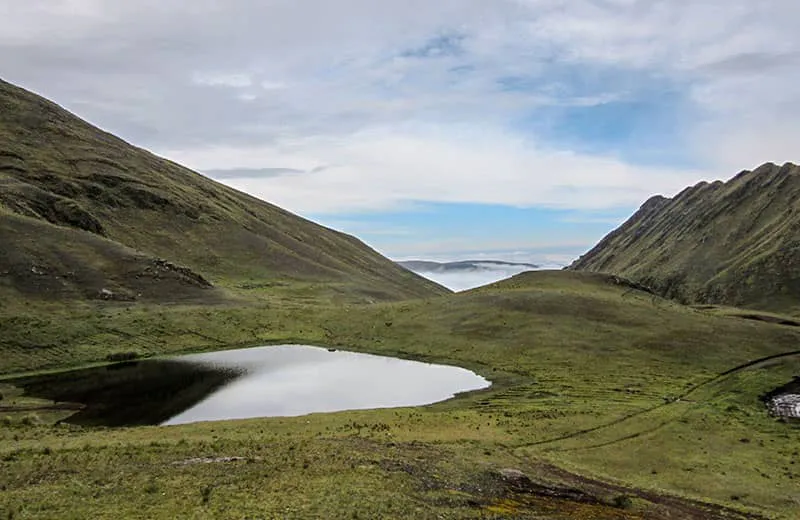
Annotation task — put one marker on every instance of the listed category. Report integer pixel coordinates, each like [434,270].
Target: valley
[613,395]
[639,394]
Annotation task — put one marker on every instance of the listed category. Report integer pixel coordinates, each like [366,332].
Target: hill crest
[61,176]
[734,242]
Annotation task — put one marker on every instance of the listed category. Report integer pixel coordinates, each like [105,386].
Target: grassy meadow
[612,403]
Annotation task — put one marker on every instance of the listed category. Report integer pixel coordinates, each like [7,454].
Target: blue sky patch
[478,227]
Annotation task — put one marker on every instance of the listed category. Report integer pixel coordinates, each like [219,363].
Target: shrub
[622,502]
[31,420]
[205,493]
[151,488]
[117,357]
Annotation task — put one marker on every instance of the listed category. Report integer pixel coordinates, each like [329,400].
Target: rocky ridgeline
[733,243]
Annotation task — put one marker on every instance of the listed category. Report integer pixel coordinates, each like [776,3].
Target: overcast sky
[523,129]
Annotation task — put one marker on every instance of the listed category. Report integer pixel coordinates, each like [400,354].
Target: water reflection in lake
[259,382]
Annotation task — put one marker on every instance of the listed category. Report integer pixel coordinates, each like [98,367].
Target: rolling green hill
[614,403]
[733,243]
[82,211]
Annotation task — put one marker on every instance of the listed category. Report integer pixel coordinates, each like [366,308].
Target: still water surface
[297,380]
[285,380]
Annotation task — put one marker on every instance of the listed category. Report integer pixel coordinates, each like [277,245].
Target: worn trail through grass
[677,402]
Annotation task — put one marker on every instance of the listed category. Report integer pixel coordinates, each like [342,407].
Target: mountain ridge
[61,173]
[733,243]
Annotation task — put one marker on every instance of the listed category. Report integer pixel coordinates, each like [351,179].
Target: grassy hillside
[734,243]
[116,206]
[613,403]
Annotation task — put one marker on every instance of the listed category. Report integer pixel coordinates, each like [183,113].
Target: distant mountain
[425,266]
[85,215]
[734,243]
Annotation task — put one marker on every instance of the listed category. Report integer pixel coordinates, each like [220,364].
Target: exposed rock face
[785,401]
[787,405]
[161,267]
[735,243]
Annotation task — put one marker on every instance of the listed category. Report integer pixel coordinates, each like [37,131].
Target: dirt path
[756,363]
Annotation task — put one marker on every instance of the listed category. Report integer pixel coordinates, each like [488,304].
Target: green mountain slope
[76,199]
[735,243]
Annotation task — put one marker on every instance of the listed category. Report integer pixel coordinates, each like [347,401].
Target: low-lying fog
[480,273]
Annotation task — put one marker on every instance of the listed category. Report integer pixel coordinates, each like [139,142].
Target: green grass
[735,243]
[585,372]
[718,443]
[82,211]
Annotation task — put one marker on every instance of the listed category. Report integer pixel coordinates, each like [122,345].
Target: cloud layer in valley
[374,113]
[465,279]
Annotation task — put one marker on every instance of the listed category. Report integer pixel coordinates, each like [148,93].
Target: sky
[521,130]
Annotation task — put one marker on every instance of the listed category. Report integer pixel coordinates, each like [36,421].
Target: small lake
[275,381]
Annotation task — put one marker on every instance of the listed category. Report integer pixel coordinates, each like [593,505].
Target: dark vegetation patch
[792,387]
[62,211]
[118,357]
[769,319]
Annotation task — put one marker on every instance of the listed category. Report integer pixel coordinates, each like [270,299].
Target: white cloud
[549,252]
[469,280]
[233,80]
[462,280]
[272,85]
[391,168]
[362,88]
